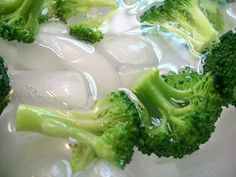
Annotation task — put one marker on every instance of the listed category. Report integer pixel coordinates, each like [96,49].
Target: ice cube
[130,49]
[65,89]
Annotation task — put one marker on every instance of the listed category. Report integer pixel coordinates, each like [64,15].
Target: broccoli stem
[102,3]
[184,35]
[35,9]
[85,115]
[170,91]
[203,25]
[7,7]
[202,22]
[30,9]
[52,123]
[158,93]
[155,77]
[192,30]
[33,118]
[82,156]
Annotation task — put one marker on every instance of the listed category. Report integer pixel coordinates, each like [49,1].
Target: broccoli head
[220,60]
[182,108]
[184,18]
[86,32]
[5,85]
[111,127]
[22,23]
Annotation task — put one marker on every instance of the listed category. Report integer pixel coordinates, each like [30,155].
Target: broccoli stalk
[185,19]
[69,8]
[48,11]
[22,24]
[220,60]
[111,127]
[212,10]
[5,85]
[182,111]
[9,6]
[82,156]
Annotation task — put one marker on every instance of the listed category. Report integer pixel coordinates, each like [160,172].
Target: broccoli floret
[88,28]
[220,60]
[22,24]
[5,85]
[184,18]
[86,32]
[111,127]
[69,8]
[182,108]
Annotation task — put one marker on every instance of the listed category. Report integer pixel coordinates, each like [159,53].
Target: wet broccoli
[48,11]
[220,60]
[9,6]
[184,18]
[86,32]
[111,128]
[69,8]
[21,21]
[88,28]
[182,108]
[212,9]
[82,156]
[5,85]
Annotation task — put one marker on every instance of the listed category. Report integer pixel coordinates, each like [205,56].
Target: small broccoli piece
[5,85]
[111,127]
[69,8]
[182,108]
[88,28]
[86,32]
[220,60]
[82,156]
[184,18]
[212,10]
[22,24]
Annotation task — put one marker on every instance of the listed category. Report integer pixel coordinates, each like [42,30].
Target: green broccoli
[88,28]
[82,156]
[20,19]
[9,6]
[86,32]
[220,60]
[182,108]
[69,8]
[22,23]
[5,85]
[184,18]
[111,127]
[212,10]
[48,11]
